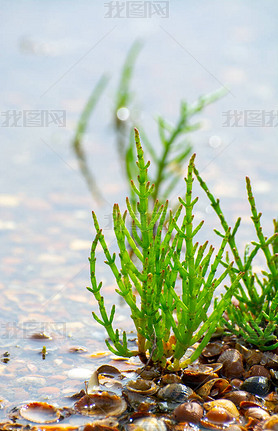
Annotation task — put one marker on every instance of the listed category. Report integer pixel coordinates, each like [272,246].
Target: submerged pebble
[256,385]
[79,373]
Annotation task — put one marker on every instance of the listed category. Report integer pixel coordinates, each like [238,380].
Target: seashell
[214,387]
[236,383]
[148,424]
[212,350]
[235,427]
[257,385]
[170,378]
[93,383]
[183,426]
[271,402]
[270,360]
[206,424]
[142,386]
[251,356]
[254,358]
[107,424]
[258,370]
[140,402]
[196,375]
[257,413]
[44,428]
[109,371]
[188,412]
[219,415]
[107,377]
[273,396]
[101,404]
[175,392]
[228,405]
[271,424]
[232,363]
[244,405]
[217,418]
[238,396]
[95,427]
[254,410]
[148,373]
[41,413]
[274,376]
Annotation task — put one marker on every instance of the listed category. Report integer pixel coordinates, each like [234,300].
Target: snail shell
[217,418]
[228,405]
[175,392]
[142,386]
[188,412]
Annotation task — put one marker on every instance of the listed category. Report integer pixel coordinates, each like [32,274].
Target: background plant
[167,322]
[167,157]
[77,143]
[255,318]
[175,147]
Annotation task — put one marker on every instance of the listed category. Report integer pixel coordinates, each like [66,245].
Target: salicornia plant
[175,147]
[123,101]
[255,317]
[77,143]
[167,155]
[170,287]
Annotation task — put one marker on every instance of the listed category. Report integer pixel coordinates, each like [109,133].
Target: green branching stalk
[262,239]
[79,135]
[166,322]
[175,150]
[123,100]
[197,272]
[124,94]
[255,318]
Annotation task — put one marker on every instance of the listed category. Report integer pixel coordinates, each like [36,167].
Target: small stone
[79,373]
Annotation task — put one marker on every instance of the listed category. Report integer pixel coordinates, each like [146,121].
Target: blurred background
[53,55]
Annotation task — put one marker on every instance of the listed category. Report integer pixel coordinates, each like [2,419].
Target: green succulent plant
[169,287]
[255,316]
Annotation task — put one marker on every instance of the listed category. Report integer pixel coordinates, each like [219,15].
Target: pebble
[79,373]
[49,390]
[32,380]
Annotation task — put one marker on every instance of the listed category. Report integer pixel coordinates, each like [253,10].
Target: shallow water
[53,54]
